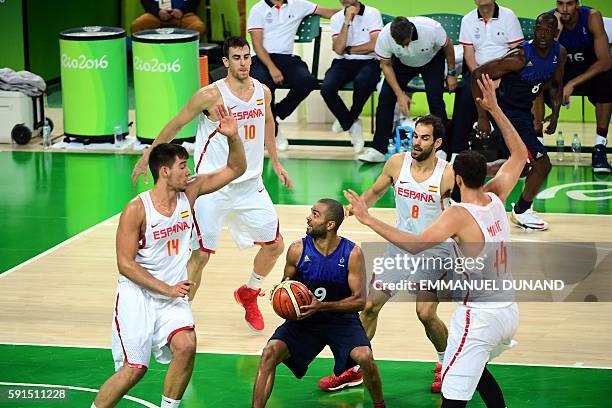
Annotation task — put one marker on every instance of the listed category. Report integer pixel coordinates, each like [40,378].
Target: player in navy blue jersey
[588,68]
[524,71]
[333,269]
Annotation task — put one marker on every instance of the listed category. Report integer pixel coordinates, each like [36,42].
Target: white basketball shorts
[143,324]
[248,210]
[476,336]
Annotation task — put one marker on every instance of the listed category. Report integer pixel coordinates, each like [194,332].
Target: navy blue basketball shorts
[522,120]
[306,339]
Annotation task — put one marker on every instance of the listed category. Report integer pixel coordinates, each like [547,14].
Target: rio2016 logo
[154,65]
[82,62]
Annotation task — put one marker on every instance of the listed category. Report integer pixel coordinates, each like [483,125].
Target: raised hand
[228,125]
[487,87]
[358,205]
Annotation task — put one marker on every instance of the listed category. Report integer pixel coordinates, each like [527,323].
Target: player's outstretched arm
[509,173]
[128,235]
[382,183]
[236,160]
[556,93]
[513,61]
[356,281]
[444,227]
[199,102]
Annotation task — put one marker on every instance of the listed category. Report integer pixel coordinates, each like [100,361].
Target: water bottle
[390,149]
[46,135]
[576,147]
[560,145]
[118,136]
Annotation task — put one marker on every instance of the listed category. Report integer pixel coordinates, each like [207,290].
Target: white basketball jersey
[165,248]
[211,149]
[496,253]
[417,205]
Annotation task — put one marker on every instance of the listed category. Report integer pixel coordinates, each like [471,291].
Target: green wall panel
[11,32]
[47,18]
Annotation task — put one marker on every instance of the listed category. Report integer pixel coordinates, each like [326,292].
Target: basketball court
[59,282]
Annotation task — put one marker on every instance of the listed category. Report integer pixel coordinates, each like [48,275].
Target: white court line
[258,353]
[70,387]
[58,246]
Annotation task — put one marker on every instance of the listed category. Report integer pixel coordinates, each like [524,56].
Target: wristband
[452,72]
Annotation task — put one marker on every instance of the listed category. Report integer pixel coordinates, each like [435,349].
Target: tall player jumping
[244,203]
[420,180]
[152,310]
[479,225]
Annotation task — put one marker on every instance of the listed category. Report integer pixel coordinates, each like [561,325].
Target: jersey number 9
[320,293]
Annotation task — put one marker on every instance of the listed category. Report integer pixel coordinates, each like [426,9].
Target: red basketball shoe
[436,385]
[350,378]
[247,297]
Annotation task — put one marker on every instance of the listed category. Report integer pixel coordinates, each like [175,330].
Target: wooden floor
[65,297]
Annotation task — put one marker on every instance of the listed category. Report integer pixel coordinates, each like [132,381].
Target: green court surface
[50,197]
[226,380]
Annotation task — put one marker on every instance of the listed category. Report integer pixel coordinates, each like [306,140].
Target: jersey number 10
[249,132]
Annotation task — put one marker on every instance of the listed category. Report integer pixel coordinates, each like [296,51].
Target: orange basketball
[288,297]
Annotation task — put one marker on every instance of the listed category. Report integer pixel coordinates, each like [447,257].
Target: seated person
[354,33]
[181,14]
[273,25]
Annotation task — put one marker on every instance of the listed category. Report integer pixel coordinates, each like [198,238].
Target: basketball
[288,297]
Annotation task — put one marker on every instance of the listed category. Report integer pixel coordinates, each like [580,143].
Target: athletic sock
[93,405]
[441,356]
[522,205]
[602,136]
[255,281]
[169,402]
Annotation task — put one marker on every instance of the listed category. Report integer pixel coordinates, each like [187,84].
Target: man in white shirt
[354,33]
[273,25]
[407,48]
[487,32]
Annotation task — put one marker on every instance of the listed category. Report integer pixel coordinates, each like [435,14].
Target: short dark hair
[435,122]
[165,154]
[401,29]
[472,167]
[335,211]
[235,41]
[548,19]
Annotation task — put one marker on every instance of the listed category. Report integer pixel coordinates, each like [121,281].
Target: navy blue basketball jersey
[579,41]
[519,89]
[326,276]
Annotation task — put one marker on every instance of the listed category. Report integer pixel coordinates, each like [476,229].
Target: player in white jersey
[420,181]
[479,329]
[152,313]
[244,204]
